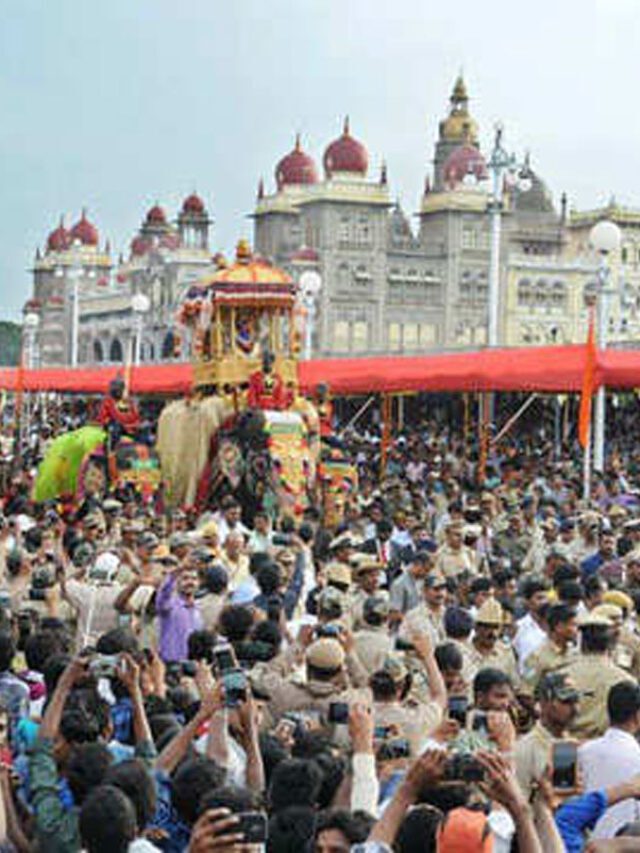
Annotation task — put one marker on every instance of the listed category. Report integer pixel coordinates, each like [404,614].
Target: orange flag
[588,384]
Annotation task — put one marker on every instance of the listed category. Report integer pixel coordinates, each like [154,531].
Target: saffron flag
[588,385]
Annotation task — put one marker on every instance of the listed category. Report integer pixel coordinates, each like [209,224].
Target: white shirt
[610,760]
[528,639]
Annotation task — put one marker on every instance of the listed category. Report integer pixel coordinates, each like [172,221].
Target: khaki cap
[209,530]
[609,611]
[619,598]
[594,620]
[338,573]
[490,613]
[325,653]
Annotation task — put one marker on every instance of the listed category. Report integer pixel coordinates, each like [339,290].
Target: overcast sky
[117,104]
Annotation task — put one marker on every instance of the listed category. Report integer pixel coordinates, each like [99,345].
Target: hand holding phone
[564,765]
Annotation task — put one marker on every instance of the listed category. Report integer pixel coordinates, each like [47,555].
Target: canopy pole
[387,426]
[484,405]
[358,414]
[512,420]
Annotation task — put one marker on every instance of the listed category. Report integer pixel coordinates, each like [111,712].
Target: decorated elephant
[77,464]
[265,457]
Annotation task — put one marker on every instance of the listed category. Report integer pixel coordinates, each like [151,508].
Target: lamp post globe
[605,237]
[140,303]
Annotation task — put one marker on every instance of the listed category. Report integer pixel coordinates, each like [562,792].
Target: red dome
[306,253]
[346,154]
[297,167]
[84,231]
[463,161]
[59,240]
[193,204]
[139,246]
[156,216]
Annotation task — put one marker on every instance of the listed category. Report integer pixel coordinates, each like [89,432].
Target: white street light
[31,323]
[605,237]
[310,284]
[140,305]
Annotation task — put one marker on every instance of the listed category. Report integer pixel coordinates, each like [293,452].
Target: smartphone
[339,712]
[397,748]
[329,630]
[188,668]
[253,826]
[403,645]
[223,659]
[382,732]
[463,766]
[480,723]
[564,765]
[103,666]
[235,685]
[458,707]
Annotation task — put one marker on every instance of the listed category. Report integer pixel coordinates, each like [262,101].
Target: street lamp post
[500,164]
[310,284]
[31,323]
[605,238]
[140,304]
[74,272]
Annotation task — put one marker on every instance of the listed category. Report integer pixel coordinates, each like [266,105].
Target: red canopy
[553,369]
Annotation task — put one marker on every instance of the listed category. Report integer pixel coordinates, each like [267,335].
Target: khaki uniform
[593,674]
[626,653]
[415,722]
[296,694]
[373,644]
[532,756]
[423,620]
[512,546]
[450,563]
[548,658]
[500,657]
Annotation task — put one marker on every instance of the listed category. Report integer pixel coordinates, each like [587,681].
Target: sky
[116,105]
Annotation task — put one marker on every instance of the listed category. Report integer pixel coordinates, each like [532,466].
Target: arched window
[147,351]
[524,292]
[559,294]
[541,292]
[168,345]
[98,352]
[115,351]
[343,276]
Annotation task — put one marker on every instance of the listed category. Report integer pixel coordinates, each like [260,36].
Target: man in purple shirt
[178,612]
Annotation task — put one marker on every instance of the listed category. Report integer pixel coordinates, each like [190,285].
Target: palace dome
[59,239]
[85,231]
[464,161]
[193,204]
[156,216]
[346,154]
[296,167]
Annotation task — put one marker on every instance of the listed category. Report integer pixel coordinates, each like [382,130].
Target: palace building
[386,287]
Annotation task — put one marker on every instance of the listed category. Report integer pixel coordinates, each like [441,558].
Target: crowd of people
[454,667]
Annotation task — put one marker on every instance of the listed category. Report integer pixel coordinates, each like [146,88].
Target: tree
[10,343]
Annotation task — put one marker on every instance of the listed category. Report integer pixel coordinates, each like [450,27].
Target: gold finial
[345,129]
[243,251]
[297,146]
[459,94]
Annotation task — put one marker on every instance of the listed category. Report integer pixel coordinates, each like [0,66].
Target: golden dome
[459,126]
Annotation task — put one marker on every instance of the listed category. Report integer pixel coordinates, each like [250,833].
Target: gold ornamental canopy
[237,313]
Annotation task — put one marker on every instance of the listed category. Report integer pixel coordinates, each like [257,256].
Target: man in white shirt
[530,634]
[615,757]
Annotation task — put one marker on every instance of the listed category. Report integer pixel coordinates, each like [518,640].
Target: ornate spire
[345,129]
[107,247]
[427,185]
[260,189]
[563,207]
[459,94]
[297,146]
[383,174]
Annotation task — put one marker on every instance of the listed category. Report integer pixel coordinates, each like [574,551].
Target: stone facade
[386,287]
